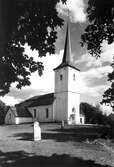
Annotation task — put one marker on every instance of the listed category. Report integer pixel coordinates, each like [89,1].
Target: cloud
[106,56]
[89,61]
[76,9]
[107,52]
[25,93]
[94,80]
[91,90]
[96,91]
[10,100]
[89,78]
[96,73]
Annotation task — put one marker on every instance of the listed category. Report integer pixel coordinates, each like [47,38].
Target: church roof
[67,56]
[42,100]
[27,102]
[20,111]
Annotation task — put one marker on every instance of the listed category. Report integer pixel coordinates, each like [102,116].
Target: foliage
[108,96]
[3,110]
[93,115]
[33,22]
[100,28]
[101,25]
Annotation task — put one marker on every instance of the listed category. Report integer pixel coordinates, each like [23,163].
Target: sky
[93,72]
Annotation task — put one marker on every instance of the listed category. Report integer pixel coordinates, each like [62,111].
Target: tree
[101,25]
[108,96]
[101,28]
[33,22]
[3,111]
[93,115]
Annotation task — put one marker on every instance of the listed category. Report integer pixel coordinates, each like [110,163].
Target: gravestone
[37,131]
[62,124]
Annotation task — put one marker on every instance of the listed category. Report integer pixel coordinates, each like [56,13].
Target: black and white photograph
[56,83]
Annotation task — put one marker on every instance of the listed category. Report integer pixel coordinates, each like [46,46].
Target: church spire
[67,59]
[67,48]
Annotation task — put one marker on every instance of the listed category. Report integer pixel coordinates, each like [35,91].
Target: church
[64,103]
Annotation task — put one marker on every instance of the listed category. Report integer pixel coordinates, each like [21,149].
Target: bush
[93,115]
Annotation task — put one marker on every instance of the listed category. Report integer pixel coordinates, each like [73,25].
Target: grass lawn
[58,148]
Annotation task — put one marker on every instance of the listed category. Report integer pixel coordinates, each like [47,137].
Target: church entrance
[72,118]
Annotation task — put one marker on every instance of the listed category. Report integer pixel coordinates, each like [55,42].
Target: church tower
[67,87]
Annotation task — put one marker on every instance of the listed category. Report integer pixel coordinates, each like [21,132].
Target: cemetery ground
[69,147]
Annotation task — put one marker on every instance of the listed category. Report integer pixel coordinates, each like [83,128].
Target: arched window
[81,121]
[34,113]
[73,110]
[47,113]
[74,77]
[9,115]
[61,77]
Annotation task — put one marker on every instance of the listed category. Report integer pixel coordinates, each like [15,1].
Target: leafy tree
[93,115]
[33,22]
[101,25]
[108,96]
[3,111]
[100,28]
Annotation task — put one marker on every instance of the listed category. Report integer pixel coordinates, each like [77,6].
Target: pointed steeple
[67,48]
[67,56]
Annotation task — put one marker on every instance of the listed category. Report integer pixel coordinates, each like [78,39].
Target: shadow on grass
[22,159]
[67,134]
[24,136]
[62,137]
[82,129]
[58,137]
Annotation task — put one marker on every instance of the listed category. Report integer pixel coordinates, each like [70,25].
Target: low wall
[19,120]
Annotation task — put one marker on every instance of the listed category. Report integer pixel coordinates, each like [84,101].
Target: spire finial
[68,17]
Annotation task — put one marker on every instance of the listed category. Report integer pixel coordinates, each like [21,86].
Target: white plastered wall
[61,106]
[74,93]
[10,117]
[41,113]
[61,87]
[73,84]
[20,120]
[67,93]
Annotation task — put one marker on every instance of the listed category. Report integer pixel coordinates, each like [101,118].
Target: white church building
[64,103]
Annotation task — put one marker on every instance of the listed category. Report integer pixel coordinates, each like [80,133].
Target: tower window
[74,77]
[47,113]
[9,115]
[34,113]
[73,110]
[61,77]
[81,120]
